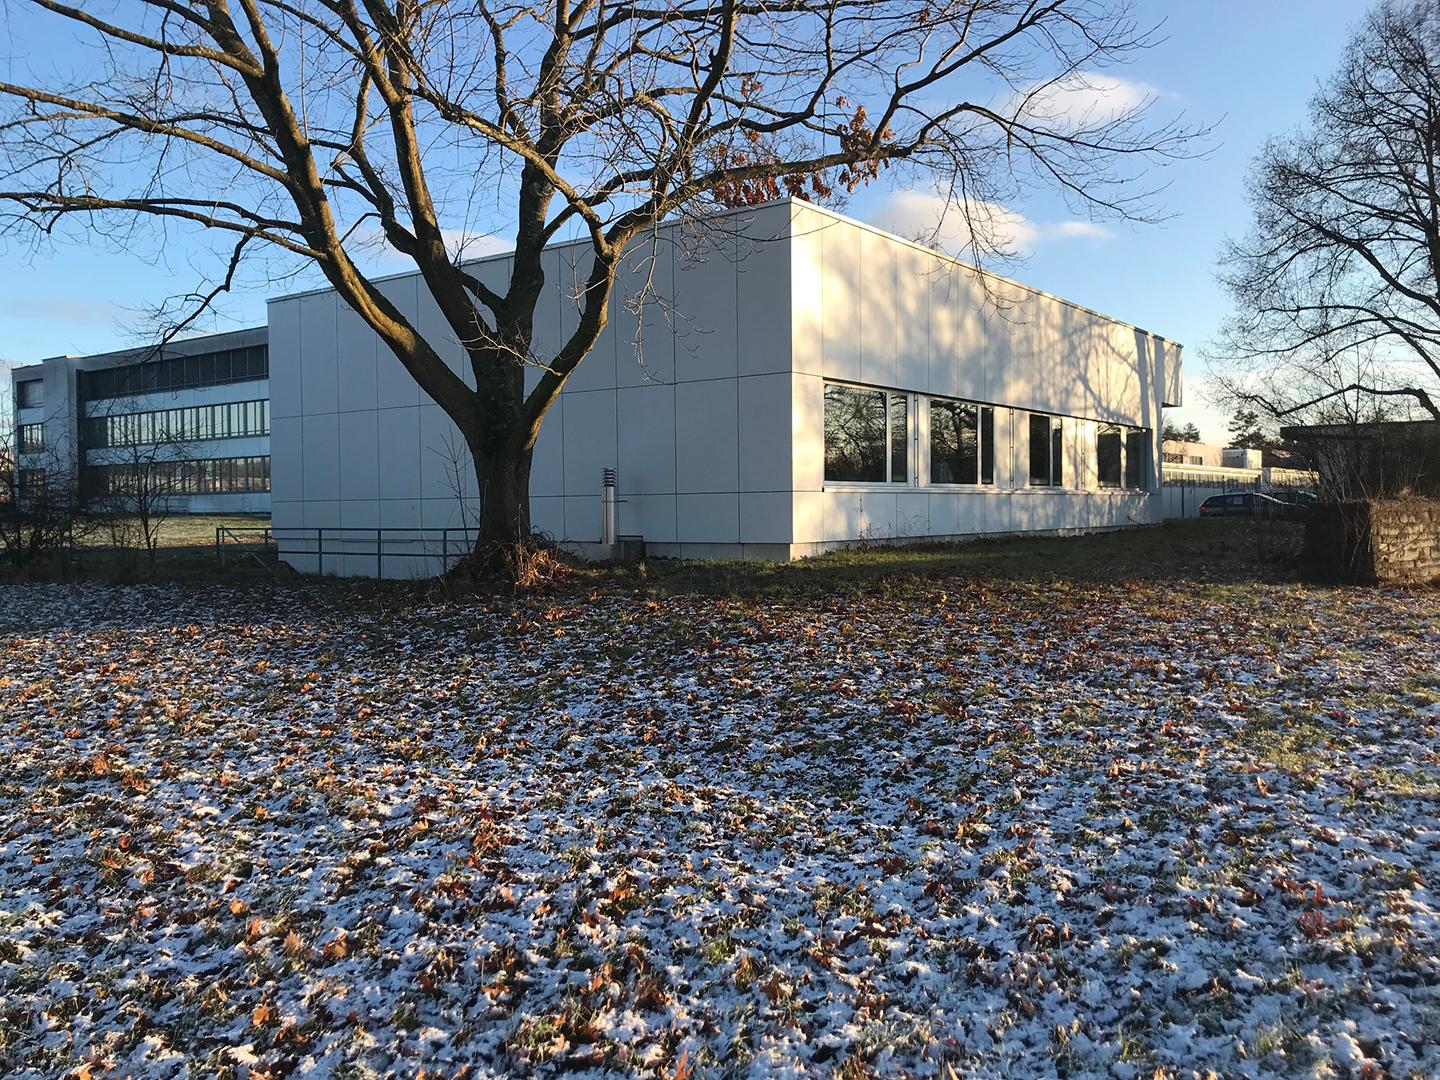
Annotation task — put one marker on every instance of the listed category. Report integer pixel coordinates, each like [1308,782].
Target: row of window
[212,476]
[868,440]
[30,438]
[30,394]
[176,373]
[235,419]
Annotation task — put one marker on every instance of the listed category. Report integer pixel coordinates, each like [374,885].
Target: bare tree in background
[1337,288]
[143,484]
[40,515]
[303,125]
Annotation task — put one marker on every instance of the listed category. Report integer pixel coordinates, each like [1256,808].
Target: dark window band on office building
[177,373]
[211,476]
[231,420]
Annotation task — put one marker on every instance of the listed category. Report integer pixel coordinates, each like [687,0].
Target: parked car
[1242,504]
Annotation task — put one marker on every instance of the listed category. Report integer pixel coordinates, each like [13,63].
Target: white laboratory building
[809,382]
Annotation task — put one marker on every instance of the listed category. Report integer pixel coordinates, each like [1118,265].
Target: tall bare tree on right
[1337,286]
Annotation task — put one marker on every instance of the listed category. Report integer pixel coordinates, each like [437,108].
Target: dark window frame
[887,448]
[1053,441]
[1131,461]
[1110,457]
[30,438]
[980,465]
[29,482]
[246,475]
[1137,460]
[30,394]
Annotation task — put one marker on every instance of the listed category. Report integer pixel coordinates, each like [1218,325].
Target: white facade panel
[320,458]
[547,464]
[707,313]
[707,519]
[764,435]
[283,325]
[591,440]
[397,434]
[319,350]
[763,292]
[646,436]
[357,349]
[394,385]
[359,456]
[707,459]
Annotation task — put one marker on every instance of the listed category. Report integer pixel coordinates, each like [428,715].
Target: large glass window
[30,438]
[867,436]
[1137,454]
[962,438]
[899,438]
[1122,457]
[1108,453]
[30,394]
[987,445]
[1047,446]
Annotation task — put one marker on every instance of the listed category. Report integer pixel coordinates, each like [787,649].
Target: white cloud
[933,220]
[471,245]
[461,243]
[1081,99]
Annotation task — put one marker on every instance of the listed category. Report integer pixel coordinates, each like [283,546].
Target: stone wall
[1388,541]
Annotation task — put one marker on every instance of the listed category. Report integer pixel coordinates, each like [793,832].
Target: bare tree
[305,125]
[1337,288]
[40,516]
[139,487]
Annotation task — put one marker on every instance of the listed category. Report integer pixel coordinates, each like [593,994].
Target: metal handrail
[224,531]
[389,542]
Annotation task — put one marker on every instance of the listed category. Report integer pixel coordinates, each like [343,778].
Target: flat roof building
[194,415]
[813,382]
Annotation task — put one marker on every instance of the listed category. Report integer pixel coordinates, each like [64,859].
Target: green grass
[185,551]
[189,531]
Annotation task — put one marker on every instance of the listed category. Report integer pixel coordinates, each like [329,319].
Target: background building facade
[193,419]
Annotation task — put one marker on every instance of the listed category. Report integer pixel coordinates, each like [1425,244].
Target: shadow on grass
[1226,552]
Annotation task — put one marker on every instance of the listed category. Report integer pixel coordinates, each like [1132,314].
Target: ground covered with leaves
[957,828]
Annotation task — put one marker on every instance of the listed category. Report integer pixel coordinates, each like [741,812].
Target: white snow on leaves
[1010,832]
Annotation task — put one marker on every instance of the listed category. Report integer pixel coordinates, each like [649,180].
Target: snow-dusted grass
[953,828]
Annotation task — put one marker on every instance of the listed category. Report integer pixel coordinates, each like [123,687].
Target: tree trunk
[503,473]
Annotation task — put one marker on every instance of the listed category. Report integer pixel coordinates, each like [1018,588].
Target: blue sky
[1248,67]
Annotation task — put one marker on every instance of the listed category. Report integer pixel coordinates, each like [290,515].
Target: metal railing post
[379,553]
[320,552]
